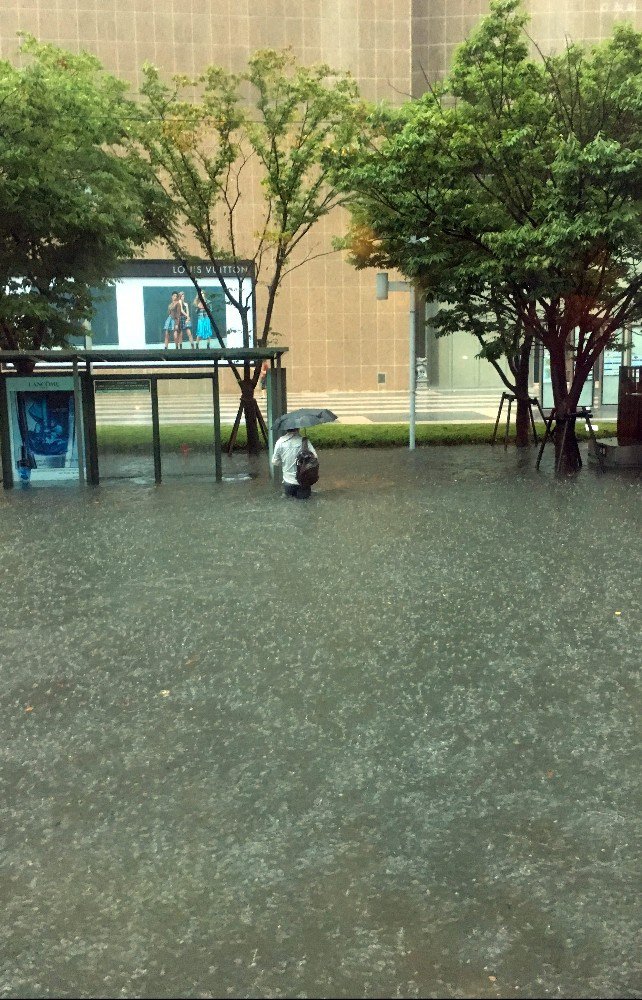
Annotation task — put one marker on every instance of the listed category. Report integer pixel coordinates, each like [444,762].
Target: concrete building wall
[339,336]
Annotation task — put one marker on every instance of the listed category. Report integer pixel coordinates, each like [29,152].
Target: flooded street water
[383,743]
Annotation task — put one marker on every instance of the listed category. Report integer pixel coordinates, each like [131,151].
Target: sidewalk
[432,406]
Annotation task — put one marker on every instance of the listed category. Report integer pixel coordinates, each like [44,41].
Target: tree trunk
[567,452]
[519,368]
[522,424]
[567,449]
[249,410]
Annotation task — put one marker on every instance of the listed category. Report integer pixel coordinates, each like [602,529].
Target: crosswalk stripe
[134,407]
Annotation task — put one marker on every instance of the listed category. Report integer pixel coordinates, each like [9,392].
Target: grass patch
[200,437]
[138,440]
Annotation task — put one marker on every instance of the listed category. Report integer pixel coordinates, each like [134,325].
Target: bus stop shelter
[71,376]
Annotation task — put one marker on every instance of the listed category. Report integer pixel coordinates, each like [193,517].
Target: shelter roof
[153,356]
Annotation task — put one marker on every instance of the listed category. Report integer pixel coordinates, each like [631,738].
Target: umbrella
[302,418]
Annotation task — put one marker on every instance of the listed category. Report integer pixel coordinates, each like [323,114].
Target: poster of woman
[43,429]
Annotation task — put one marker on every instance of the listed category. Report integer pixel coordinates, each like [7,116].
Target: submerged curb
[199,437]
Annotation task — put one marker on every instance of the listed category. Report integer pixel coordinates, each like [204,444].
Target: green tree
[263,136]
[513,192]
[503,345]
[71,205]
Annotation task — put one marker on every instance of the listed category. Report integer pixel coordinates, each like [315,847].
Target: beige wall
[339,336]
[439,25]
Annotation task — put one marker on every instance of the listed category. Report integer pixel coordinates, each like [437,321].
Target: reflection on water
[377,744]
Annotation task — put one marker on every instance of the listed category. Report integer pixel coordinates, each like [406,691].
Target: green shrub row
[200,437]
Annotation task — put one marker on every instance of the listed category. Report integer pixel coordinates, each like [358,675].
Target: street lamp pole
[383,287]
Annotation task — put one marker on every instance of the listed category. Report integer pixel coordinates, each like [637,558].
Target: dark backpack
[307,466]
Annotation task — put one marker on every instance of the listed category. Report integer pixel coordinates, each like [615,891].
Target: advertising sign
[612,362]
[154,304]
[42,428]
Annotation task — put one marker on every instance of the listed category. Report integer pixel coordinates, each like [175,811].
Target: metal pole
[412,361]
[269,385]
[89,425]
[499,413]
[5,438]
[510,405]
[218,464]
[153,386]
[79,423]
[283,391]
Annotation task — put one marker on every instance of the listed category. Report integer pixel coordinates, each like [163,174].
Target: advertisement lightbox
[153,304]
[42,429]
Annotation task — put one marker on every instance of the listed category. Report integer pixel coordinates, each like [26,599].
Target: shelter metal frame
[134,365]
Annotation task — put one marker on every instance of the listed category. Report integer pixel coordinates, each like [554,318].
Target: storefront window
[586,396]
[611,376]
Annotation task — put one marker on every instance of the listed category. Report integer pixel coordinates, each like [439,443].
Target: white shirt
[285,453]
